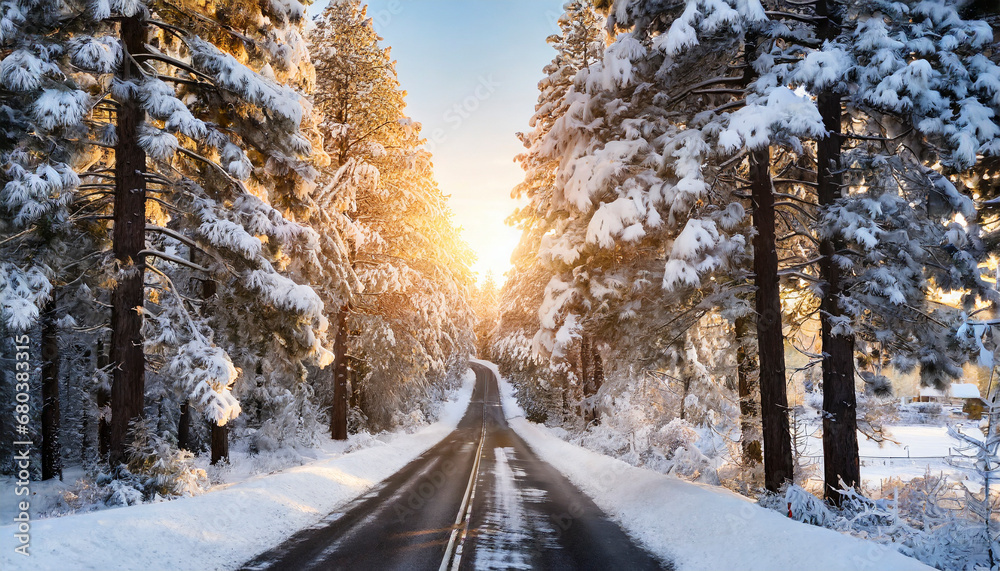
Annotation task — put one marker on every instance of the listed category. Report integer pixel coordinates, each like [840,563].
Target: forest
[217,228]
[760,249]
[743,223]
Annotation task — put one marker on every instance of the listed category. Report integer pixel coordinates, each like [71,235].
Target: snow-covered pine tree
[45,246]
[899,230]
[485,302]
[578,46]
[249,217]
[410,318]
[692,51]
[177,108]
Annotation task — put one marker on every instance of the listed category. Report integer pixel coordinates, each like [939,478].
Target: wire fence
[907,457]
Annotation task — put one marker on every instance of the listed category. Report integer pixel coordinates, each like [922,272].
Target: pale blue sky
[471,69]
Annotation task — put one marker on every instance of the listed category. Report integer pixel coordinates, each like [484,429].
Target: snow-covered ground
[699,526]
[231,523]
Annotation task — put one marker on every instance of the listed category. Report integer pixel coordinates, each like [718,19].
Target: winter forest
[759,261]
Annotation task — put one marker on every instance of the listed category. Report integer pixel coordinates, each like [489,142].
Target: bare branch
[795,181]
[793,16]
[798,274]
[174,259]
[795,207]
[174,62]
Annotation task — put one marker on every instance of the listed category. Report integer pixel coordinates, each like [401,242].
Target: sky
[471,70]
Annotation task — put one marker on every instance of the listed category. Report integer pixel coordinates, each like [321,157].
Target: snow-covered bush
[161,469]
[639,431]
[123,493]
[799,504]
[925,518]
[921,413]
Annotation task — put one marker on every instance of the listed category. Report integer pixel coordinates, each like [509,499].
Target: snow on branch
[231,75]
[22,293]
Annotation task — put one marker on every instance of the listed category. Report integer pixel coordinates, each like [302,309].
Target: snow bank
[225,527]
[699,526]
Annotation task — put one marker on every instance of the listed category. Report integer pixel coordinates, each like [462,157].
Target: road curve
[479,499]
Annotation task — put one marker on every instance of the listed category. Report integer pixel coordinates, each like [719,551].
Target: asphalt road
[445,510]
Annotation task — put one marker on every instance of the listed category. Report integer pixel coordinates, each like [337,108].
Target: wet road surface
[479,499]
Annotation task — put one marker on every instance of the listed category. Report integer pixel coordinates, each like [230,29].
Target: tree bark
[598,379]
[184,426]
[338,412]
[220,443]
[685,390]
[355,388]
[778,464]
[220,434]
[103,401]
[129,238]
[840,418]
[746,371]
[51,459]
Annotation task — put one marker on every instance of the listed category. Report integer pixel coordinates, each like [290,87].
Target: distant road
[479,499]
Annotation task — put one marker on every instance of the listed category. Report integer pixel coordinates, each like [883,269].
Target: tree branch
[792,16]
[798,274]
[174,259]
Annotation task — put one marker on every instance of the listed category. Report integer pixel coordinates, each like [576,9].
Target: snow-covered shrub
[925,518]
[163,469]
[689,461]
[409,422]
[800,505]
[638,431]
[921,413]
[363,440]
[675,434]
[295,418]
[123,493]
[356,420]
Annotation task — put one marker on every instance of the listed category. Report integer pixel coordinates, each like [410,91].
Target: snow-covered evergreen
[250,248]
[410,324]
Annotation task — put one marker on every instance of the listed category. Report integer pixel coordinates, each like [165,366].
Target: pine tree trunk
[51,460]
[685,389]
[84,441]
[129,238]
[220,434]
[220,443]
[184,426]
[585,364]
[355,389]
[840,421]
[840,417]
[103,401]
[598,370]
[746,371]
[338,412]
[778,465]
[598,378]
